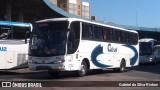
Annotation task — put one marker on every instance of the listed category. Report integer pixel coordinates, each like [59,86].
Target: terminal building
[76,7]
[33,10]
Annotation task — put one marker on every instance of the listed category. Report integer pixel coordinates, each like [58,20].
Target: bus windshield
[145,48]
[49,39]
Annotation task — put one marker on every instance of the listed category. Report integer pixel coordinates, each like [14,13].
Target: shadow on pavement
[151,67]
[63,75]
[8,73]
[43,75]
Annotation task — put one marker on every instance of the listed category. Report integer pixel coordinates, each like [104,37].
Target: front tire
[83,70]
[122,67]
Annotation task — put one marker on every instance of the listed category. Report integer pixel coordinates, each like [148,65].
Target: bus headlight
[59,61]
[151,59]
[30,60]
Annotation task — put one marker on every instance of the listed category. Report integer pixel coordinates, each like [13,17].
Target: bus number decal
[3,48]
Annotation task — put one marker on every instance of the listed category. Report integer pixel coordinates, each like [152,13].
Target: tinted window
[101,33]
[5,32]
[20,32]
[74,37]
[14,32]
[85,31]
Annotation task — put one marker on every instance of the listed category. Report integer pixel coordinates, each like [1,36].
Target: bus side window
[5,32]
[125,37]
[20,32]
[71,41]
[90,31]
[73,38]
[135,38]
[85,31]
[116,35]
[111,35]
[130,38]
[107,34]
[122,37]
[104,34]
[98,33]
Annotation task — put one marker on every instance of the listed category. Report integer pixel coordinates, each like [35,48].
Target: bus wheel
[53,73]
[83,69]
[122,66]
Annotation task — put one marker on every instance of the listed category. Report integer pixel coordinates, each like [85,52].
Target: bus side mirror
[26,36]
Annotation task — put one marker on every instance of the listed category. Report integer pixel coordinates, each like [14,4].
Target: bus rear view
[13,44]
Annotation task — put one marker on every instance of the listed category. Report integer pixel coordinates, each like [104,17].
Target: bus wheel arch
[87,62]
[83,68]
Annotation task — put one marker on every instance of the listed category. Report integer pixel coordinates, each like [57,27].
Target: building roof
[139,28]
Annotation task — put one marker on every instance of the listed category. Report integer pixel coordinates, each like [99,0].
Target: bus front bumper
[53,67]
[150,60]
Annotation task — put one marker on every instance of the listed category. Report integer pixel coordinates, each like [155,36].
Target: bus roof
[20,24]
[84,20]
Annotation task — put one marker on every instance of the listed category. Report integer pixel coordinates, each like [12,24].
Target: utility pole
[136,19]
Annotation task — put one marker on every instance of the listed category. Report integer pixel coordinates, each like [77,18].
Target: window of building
[64,5]
[79,6]
[79,13]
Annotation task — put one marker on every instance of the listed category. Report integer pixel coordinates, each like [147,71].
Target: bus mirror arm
[26,36]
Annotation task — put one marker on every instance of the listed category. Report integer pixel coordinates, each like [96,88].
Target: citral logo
[111,49]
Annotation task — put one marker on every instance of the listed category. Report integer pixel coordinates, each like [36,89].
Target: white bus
[148,50]
[13,44]
[70,44]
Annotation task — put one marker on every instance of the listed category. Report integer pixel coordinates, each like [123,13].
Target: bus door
[73,43]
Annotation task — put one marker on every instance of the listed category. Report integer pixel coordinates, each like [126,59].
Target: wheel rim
[83,70]
[122,66]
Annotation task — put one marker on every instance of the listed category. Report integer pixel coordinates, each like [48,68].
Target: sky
[142,13]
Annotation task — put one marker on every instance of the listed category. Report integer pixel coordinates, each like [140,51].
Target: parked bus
[13,44]
[70,44]
[148,52]
[157,53]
